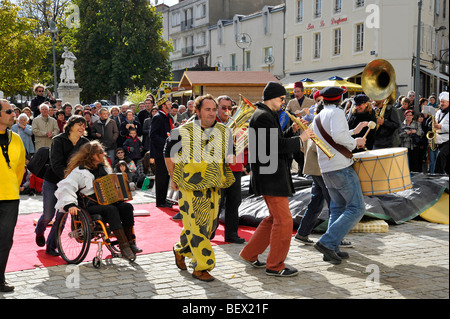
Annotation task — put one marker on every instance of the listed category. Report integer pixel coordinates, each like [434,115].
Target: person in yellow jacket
[197,155]
[12,168]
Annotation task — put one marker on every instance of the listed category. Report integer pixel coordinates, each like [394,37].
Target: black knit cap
[273,90]
[360,99]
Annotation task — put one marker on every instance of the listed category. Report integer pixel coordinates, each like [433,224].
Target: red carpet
[155,233]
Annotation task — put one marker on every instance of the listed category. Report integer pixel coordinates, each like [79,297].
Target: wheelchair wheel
[74,237]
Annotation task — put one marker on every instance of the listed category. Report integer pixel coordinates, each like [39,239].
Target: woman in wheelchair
[76,190]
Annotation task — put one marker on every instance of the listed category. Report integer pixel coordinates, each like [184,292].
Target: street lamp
[417,73]
[243,41]
[53,29]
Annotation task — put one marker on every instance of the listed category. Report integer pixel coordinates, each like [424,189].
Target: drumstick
[371,126]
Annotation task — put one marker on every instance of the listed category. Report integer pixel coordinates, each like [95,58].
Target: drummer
[362,111]
[347,204]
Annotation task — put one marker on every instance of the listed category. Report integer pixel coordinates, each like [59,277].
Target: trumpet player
[442,129]
[231,196]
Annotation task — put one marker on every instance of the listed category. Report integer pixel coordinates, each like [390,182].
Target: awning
[317,76]
[435,73]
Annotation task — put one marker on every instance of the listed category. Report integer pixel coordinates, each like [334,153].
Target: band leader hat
[332,93]
[161,101]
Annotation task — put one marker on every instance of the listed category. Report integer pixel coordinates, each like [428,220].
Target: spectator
[60,119]
[410,134]
[127,124]
[115,111]
[44,128]
[144,169]
[28,112]
[25,132]
[39,89]
[106,131]
[133,146]
[432,101]
[67,108]
[147,111]
[122,167]
[120,156]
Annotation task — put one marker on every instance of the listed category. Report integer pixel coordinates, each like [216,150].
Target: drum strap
[340,148]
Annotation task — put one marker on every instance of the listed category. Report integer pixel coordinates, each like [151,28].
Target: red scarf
[170,119]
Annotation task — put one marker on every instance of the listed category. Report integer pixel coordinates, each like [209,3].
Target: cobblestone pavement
[411,261]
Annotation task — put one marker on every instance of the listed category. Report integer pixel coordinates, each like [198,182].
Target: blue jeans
[49,202]
[432,157]
[347,205]
[319,193]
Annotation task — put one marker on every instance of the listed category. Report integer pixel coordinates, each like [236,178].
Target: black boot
[124,245]
[132,239]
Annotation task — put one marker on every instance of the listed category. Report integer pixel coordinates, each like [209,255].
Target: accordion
[112,188]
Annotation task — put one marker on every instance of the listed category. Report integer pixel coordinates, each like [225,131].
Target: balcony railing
[187,24]
[189,50]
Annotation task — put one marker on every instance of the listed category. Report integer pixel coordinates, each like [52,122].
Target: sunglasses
[9,111]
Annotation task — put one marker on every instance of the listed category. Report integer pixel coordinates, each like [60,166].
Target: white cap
[443,96]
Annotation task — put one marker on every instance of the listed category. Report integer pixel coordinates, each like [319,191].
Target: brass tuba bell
[378,80]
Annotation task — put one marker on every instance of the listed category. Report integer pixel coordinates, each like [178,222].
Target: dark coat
[108,131]
[160,127]
[384,136]
[277,182]
[60,153]
[357,118]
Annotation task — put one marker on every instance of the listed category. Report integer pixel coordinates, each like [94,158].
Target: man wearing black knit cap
[271,178]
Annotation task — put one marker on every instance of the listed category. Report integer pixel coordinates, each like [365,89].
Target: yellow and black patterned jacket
[200,156]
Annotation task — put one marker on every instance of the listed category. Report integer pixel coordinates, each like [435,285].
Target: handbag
[40,162]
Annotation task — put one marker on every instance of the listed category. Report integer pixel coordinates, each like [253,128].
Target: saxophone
[320,144]
[431,136]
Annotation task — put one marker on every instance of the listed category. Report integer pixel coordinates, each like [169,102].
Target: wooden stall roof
[226,78]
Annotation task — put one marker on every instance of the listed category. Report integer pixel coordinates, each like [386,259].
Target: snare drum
[383,171]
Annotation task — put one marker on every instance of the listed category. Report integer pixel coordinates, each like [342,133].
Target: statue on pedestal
[67,69]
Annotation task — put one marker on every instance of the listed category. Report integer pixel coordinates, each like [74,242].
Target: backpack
[40,162]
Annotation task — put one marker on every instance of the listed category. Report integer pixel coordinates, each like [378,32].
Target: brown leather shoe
[202,275]
[179,260]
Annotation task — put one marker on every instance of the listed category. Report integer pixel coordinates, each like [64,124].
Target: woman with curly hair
[76,190]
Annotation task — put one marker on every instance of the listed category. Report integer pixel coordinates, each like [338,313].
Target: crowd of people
[138,141]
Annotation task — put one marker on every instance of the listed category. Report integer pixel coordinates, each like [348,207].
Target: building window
[337,6]
[233,62]
[176,21]
[317,8]
[266,26]
[299,49]
[248,61]
[337,41]
[201,11]
[201,39]
[359,41]
[219,34]
[299,10]
[359,3]
[317,45]
[268,52]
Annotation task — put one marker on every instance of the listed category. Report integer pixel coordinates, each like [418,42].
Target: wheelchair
[75,234]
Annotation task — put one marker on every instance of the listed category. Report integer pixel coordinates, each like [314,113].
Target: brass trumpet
[316,140]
